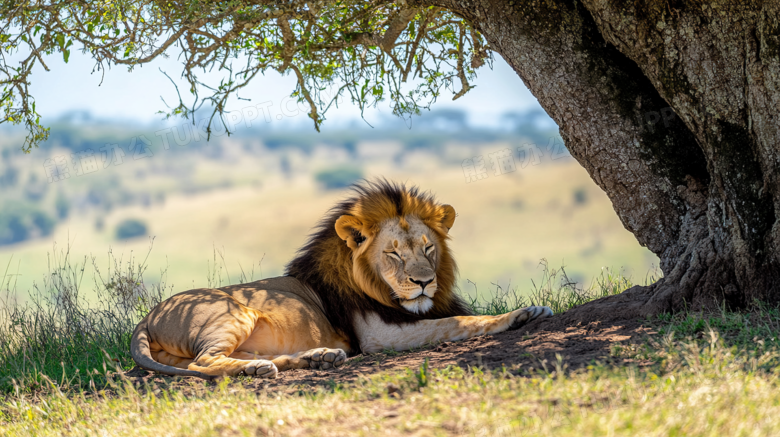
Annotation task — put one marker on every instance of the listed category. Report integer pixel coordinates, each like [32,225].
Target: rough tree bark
[672,107]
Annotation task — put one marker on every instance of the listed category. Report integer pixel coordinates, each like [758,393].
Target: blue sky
[135,96]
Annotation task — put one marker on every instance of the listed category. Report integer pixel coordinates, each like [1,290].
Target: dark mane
[324,263]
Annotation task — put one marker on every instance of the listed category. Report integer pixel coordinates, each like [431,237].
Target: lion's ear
[449,216]
[349,229]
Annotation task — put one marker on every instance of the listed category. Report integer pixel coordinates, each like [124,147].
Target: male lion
[390,286]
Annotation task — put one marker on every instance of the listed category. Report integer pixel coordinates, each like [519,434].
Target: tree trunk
[672,106]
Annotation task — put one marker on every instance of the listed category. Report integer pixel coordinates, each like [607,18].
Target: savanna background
[244,203]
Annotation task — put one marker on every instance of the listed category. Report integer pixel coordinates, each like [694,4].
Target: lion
[375,274]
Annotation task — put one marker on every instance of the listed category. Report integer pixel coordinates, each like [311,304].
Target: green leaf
[66,55]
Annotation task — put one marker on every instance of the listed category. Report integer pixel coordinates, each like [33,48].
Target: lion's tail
[139,349]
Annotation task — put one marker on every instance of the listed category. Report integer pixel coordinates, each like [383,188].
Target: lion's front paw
[261,369]
[522,316]
[324,358]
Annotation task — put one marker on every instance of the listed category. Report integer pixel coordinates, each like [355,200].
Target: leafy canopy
[366,49]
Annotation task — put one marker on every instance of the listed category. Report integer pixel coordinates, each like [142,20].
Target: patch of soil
[534,346]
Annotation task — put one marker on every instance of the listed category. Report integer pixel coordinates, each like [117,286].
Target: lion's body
[376,274]
[272,319]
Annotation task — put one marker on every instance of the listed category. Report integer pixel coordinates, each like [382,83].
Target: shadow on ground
[532,347]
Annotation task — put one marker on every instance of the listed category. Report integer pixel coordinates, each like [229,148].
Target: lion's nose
[422,284]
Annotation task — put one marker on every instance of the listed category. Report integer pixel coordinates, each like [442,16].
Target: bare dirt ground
[534,346]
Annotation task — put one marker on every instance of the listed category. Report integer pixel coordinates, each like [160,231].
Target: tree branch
[397,25]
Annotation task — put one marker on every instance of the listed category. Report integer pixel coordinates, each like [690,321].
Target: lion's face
[403,253]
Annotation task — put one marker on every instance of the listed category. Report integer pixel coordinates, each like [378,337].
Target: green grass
[754,332]
[700,375]
[696,387]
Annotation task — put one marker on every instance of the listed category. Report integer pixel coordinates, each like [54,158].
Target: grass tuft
[60,335]
[555,290]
